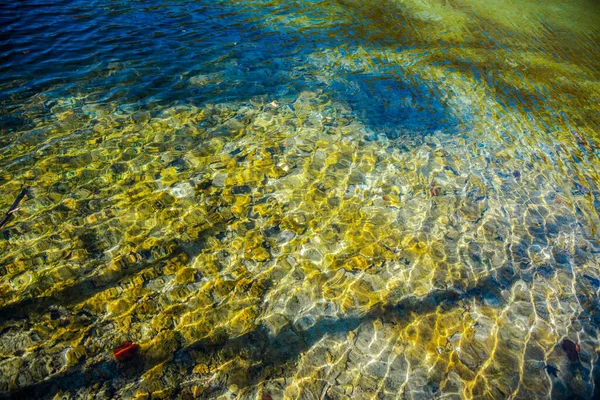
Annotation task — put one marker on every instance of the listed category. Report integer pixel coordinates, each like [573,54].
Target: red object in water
[572,349]
[126,350]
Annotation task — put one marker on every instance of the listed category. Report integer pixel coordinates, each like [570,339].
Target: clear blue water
[142,55]
[300,199]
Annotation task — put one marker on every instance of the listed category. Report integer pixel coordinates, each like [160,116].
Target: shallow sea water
[300,199]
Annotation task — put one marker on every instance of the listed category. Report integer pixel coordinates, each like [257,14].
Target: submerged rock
[572,349]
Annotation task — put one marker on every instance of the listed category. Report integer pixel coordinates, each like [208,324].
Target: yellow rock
[201,369]
[242,200]
[260,254]
[142,395]
[185,275]
[348,304]
[356,263]
[75,354]
[243,321]
[368,251]
[71,204]
[237,210]
[257,289]
[223,287]
[276,172]
[420,291]
[253,240]
[162,347]
[262,209]
[294,224]
[162,394]
[118,306]
[124,322]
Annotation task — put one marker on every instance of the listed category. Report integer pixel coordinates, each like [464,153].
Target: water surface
[300,199]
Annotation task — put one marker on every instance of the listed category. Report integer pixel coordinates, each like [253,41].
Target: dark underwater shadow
[286,346]
[263,350]
[266,352]
[31,306]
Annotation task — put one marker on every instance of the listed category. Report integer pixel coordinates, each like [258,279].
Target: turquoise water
[303,199]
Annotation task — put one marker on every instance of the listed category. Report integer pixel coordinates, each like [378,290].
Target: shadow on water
[259,346]
[266,352]
[32,305]
[261,349]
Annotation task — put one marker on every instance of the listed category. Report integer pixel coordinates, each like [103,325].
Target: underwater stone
[284,236]
[219,179]
[231,300]
[185,275]
[356,263]
[140,117]
[241,190]
[75,354]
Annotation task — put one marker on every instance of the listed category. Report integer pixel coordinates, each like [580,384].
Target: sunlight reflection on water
[300,199]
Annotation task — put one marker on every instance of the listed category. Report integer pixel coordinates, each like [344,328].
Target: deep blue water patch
[143,55]
[389,105]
